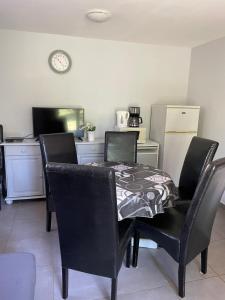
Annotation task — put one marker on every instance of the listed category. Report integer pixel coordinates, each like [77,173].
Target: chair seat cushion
[17,276]
[164,229]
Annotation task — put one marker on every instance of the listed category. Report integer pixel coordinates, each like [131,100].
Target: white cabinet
[24,176]
[88,152]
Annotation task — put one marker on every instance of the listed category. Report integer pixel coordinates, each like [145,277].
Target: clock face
[60,61]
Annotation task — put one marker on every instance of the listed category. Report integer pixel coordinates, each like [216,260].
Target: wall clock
[60,61]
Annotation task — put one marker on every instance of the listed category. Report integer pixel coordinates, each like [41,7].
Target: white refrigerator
[173,127]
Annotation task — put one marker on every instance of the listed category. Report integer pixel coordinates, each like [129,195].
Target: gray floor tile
[44,284]
[30,210]
[144,277]
[207,289]
[40,247]
[23,229]
[161,293]
[220,220]
[2,245]
[217,234]
[222,277]
[8,212]
[6,227]
[84,286]
[26,229]
[170,268]
[216,257]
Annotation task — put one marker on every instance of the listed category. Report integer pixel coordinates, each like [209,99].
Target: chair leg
[114,289]
[204,257]
[136,249]
[48,221]
[128,255]
[64,283]
[181,280]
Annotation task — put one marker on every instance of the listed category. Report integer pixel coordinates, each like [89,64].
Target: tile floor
[22,228]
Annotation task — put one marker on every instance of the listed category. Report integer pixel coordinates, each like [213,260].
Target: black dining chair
[186,236]
[121,146]
[2,168]
[91,238]
[56,147]
[200,153]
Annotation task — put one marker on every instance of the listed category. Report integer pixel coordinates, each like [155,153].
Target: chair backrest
[200,153]
[86,211]
[57,147]
[121,146]
[196,232]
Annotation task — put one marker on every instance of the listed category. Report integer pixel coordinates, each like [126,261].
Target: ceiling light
[98,15]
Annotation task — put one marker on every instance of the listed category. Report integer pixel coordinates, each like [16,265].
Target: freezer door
[175,149]
[182,119]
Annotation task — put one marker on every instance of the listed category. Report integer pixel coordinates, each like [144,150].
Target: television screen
[56,120]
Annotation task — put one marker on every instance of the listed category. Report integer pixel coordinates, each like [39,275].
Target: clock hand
[62,64]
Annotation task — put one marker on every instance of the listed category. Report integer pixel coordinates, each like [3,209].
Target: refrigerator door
[182,119]
[175,149]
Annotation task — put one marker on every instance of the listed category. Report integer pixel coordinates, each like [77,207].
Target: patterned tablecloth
[142,191]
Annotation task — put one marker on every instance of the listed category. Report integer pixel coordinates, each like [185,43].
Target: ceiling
[166,22]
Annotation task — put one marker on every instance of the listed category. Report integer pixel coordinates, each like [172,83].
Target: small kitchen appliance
[122,118]
[141,130]
[134,119]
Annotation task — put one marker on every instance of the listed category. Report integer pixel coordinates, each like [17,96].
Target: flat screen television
[57,120]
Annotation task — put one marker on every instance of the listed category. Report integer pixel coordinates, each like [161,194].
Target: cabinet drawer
[141,148]
[22,150]
[89,148]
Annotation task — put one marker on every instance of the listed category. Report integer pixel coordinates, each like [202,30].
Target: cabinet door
[24,176]
[147,158]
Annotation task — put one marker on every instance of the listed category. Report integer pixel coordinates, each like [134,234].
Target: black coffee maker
[134,119]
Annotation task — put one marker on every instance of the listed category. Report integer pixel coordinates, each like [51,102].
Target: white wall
[105,76]
[207,89]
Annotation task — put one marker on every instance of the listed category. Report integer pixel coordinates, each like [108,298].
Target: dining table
[142,190]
